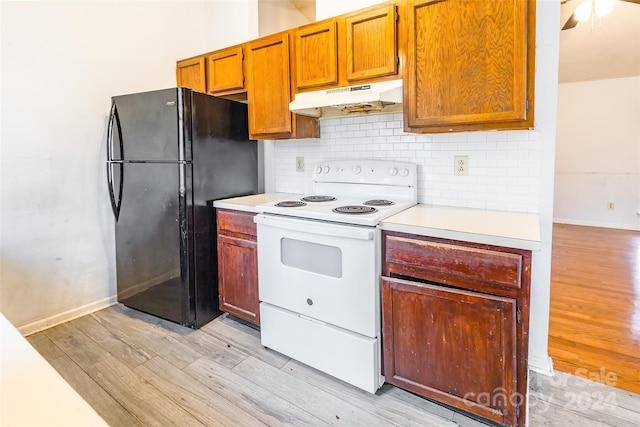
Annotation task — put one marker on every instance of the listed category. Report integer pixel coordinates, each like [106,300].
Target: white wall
[508,171]
[61,62]
[329,8]
[278,15]
[598,153]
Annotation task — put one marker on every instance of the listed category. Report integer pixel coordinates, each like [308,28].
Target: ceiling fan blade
[571,22]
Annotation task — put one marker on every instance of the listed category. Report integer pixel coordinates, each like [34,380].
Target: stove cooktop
[353,191]
[343,209]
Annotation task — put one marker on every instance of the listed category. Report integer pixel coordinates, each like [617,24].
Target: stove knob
[326,169]
[357,169]
[318,170]
[393,171]
[404,172]
[309,301]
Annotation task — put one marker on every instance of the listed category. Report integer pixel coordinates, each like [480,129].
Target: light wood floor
[135,369]
[594,322]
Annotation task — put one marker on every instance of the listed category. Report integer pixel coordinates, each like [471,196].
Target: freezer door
[153,241]
[225,161]
[150,126]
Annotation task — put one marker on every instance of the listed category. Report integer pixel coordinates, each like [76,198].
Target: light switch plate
[299,164]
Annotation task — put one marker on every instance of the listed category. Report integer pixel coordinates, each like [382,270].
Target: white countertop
[249,203]
[32,393]
[510,229]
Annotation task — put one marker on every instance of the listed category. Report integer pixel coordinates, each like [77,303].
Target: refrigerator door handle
[114,119]
[115,204]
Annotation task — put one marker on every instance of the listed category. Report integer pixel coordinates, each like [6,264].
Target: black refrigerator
[170,154]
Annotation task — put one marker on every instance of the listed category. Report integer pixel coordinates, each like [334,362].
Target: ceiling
[306,7]
[610,50]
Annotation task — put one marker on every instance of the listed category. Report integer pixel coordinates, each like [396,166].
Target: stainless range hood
[366,98]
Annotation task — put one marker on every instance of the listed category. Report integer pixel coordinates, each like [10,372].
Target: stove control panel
[381,172]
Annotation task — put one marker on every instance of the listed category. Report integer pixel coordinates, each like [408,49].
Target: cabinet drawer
[465,266]
[236,222]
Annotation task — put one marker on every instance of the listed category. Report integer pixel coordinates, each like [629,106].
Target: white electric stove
[319,267]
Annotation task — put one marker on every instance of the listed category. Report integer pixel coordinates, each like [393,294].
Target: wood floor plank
[112,340]
[596,336]
[261,402]
[222,352]
[245,338]
[205,404]
[145,402]
[592,398]
[595,301]
[101,401]
[624,381]
[211,390]
[543,413]
[389,402]
[324,405]
[41,342]
[149,338]
[79,347]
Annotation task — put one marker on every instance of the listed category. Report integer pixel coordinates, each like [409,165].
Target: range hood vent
[367,98]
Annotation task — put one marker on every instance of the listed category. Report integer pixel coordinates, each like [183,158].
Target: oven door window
[313,257]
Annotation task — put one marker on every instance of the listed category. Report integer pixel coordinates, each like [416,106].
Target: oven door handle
[324,229]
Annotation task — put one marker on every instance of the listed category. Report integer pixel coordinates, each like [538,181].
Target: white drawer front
[350,357]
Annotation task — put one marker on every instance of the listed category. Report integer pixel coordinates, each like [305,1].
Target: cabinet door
[238,277]
[225,72]
[316,48]
[467,65]
[270,92]
[457,347]
[371,43]
[191,73]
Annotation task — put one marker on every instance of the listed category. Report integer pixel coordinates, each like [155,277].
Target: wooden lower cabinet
[238,265]
[446,338]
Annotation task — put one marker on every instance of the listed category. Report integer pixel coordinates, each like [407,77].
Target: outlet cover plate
[461,165]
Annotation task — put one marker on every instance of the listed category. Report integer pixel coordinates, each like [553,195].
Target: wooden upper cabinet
[316,55]
[269,97]
[269,92]
[347,49]
[225,71]
[470,65]
[371,43]
[191,73]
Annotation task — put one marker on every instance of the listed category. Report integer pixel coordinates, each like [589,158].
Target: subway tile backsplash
[504,167]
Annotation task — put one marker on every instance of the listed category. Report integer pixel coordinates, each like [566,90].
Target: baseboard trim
[40,325]
[597,224]
[541,365]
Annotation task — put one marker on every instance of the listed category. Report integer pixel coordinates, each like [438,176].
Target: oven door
[324,271]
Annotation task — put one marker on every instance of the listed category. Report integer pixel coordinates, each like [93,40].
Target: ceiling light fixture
[601,8]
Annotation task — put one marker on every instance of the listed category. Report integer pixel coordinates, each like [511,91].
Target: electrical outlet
[461,165]
[299,164]
[611,206]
